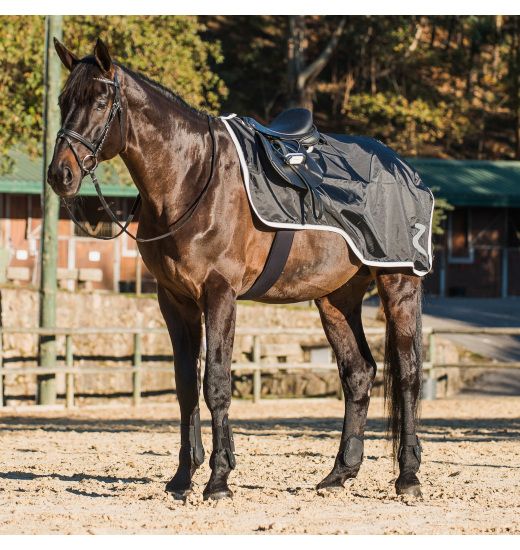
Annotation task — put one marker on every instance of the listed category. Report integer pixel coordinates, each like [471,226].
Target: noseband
[97,146]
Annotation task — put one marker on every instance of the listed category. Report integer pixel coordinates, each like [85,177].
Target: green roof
[26,178]
[461,182]
[472,182]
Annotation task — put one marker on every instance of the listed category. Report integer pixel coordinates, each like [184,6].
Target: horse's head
[91,114]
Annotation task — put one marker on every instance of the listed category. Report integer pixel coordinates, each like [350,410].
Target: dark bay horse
[176,161]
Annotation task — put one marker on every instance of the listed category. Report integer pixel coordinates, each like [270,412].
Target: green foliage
[21,84]
[439,213]
[406,125]
[434,86]
[168,49]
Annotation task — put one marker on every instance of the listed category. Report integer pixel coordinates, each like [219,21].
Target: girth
[276,260]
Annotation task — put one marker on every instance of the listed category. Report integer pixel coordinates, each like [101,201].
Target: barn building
[477,256]
[83,262]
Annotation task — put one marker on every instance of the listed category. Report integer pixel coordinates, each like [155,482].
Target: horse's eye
[101,106]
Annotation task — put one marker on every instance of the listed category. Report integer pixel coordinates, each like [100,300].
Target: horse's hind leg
[341,317]
[401,298]
[185,327]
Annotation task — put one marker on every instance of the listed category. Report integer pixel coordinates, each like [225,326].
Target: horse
[187,171]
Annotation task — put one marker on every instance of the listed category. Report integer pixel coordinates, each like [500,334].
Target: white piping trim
[245,174]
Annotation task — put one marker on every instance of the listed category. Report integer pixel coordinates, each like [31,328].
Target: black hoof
[336,479]
[178,487]
[414,490]
[218,495]
[409,487]
[330,488]
[329,484]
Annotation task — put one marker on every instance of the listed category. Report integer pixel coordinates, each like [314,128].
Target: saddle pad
[371,196]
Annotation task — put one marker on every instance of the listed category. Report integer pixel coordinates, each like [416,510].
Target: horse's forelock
[80,84]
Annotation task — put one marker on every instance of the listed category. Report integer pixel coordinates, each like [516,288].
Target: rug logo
[415,240]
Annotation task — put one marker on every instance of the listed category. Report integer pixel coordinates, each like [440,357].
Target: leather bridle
[97,146]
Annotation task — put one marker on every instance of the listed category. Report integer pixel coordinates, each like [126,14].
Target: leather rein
[96,146]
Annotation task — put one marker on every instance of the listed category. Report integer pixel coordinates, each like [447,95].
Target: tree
[169,49]
[301,75]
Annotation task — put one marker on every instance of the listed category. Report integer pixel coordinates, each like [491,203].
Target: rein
[95,147]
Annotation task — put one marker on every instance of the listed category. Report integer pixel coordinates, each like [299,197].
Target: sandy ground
[103,471]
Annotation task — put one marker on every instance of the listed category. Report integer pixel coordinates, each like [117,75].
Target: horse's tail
[394,379]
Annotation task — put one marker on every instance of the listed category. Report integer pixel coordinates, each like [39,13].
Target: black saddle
[287,142]
[292,124]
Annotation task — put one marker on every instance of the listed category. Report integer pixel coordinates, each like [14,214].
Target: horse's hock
[20,307]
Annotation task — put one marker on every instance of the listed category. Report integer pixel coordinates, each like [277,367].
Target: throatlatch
[410,441]
[223,439]
[191,440]
[351,451]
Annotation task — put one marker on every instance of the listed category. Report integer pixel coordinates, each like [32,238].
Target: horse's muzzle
[64,182]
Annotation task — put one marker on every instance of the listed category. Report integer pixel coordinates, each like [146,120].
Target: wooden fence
[256,365]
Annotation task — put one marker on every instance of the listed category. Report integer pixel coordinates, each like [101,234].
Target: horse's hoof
[329,485]
[332,488]
[218,495]
[336,479]
[414,490]
[177,489]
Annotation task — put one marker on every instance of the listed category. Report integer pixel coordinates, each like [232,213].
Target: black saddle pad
[371,196]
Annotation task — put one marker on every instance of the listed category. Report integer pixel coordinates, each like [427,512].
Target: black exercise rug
[371,196]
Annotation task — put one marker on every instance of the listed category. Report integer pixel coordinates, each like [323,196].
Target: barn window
[459,236]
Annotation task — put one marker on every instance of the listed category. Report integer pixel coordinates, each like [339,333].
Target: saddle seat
[292,125]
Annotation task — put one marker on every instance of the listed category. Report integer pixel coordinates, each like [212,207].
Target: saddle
[287,142]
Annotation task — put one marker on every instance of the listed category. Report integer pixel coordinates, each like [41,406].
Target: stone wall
[19,307]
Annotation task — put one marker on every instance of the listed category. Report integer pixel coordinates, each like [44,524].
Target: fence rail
[256,365]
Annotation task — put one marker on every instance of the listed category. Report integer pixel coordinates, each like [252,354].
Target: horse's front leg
[219,314]
[184,322]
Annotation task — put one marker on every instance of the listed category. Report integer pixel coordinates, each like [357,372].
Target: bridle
[97,146]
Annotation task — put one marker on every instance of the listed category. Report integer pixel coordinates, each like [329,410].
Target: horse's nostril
[67,174]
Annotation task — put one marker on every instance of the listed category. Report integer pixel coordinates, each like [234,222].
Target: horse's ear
[68,58]
[103,58]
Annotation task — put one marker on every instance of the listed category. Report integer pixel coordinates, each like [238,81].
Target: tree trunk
[296,48]
[496,48]
[300,76]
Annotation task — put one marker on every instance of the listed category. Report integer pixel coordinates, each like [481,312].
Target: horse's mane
[165,92]
[78,84]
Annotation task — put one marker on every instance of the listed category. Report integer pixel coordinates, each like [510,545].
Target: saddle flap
[294,174]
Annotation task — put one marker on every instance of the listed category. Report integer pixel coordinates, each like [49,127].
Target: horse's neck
[167,148]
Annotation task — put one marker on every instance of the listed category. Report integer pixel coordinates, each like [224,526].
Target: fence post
[137,373]
[257,374]
[69,377]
